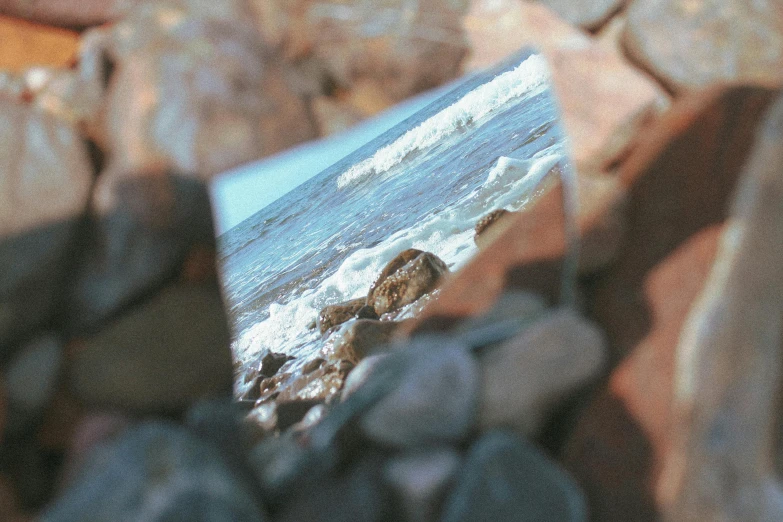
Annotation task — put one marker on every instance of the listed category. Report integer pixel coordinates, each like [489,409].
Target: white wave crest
[531,74]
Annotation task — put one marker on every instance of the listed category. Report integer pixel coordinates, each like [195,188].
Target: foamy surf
[529,76]
[449,234]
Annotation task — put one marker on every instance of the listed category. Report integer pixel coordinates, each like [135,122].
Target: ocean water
[423,184]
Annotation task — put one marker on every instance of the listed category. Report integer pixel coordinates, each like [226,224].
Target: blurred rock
[489,226]
[333,116]
[160,356]
[434,402]
[313,365]
[361,374]
[687,45]
[524,378]
[156,471]
[506,478]
[30,381]
[589,14]
[26,44]
[680,176]
[183,87]
[405,279]
[599,94]
[420,481]
[355,495]
[729,359]
[145,233]
[45,179]
[362,337]
[517,309]
[337,314]
[66,13]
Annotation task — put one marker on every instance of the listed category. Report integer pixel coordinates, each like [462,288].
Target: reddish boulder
[688,45]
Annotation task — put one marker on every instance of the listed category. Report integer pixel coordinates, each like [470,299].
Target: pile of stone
[613,351]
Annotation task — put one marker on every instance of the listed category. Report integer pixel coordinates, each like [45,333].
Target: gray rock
[524,378]
[512,312]
[405,279]
[271,363]
[359,375]
[337,314]
[506,478]
[689,45]
[433,402]
[30,381]
[156,472]
[160,356]
[420,480]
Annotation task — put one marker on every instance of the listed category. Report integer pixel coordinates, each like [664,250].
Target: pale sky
[241,192]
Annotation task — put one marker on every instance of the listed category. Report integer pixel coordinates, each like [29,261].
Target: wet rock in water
[271,363]
[361,338]
[313,365]
[45,180]
[321,384]
[337,314]
[435,400]
[487,227]
[357,494]
[156,471]
[269,388]
[420,480]
[361,374]
[30,381]
[405,279]
[688,45]
[366,312]
[160,356]
[591,14]
[525,377]
[507,478]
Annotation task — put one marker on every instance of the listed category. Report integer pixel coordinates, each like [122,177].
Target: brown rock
[160,356]
[271,363]
[26,44]
[688,45]
[337,314]
[189,100]
[361,338]
[598,92]
[66,13]
[524,379]
[405,279]
[45,179]
[589,14]
[681,174]
[493,220]
[729,358]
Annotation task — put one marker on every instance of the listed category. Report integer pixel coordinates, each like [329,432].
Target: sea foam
[448,234]
[530,75]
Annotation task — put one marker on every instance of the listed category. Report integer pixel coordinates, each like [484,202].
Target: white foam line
[530,74]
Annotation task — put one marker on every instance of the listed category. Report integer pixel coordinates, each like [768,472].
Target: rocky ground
[613,352]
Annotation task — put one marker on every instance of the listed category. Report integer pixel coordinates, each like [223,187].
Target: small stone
[30,381]
[160,356]
[524,378]
[361,374]
[156,471]
[361,338]
[494,221]
[420,480]
[337,314]
[407,283]
[271,363]
[434,401]
[506,478]
[313,365]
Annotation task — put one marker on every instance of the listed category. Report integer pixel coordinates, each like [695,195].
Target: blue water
[294,256]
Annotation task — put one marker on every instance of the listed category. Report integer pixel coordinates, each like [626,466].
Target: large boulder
[405,279]
[687,45]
